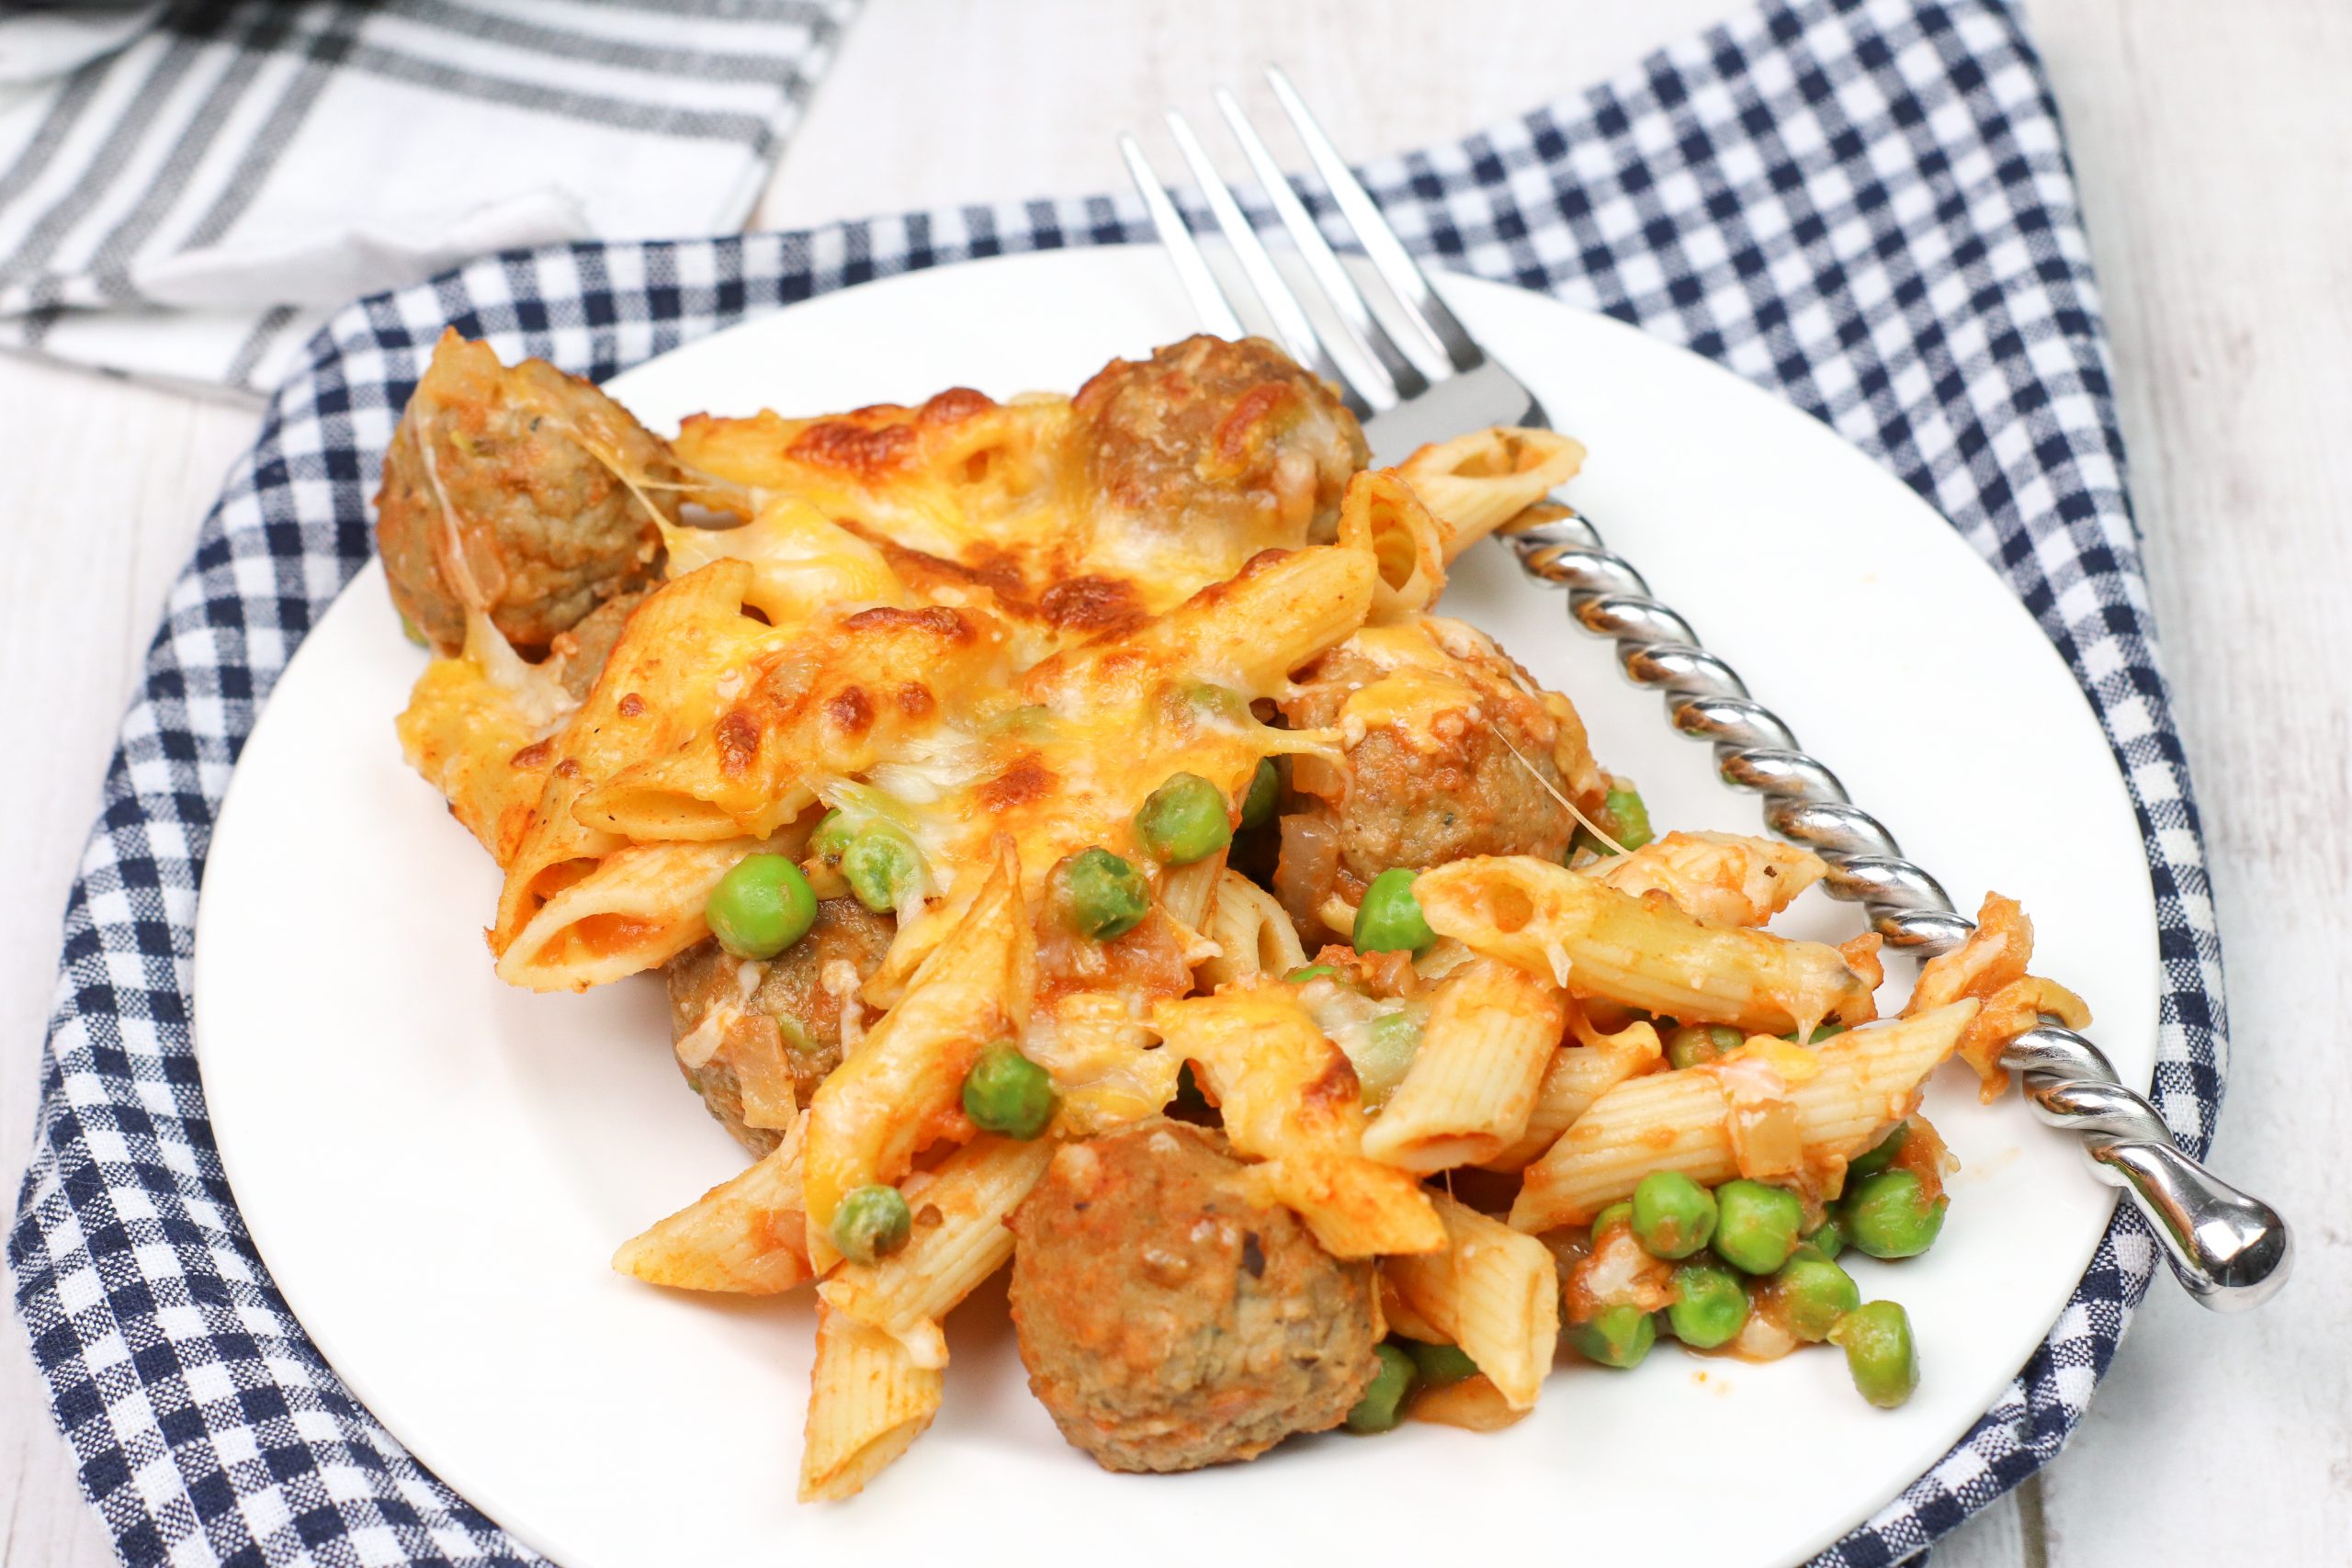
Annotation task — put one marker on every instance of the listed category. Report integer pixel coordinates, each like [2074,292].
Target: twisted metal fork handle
[2230,1249]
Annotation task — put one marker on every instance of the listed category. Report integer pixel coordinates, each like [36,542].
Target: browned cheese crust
[501,490]
[1228,444]
[792,1021]
[1169,1324]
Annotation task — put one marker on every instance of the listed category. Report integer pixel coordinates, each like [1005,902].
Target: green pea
[1395,1033]
[1209,700]
[1620,1212]
[1265,792]
[1305,973]
[1441,1365]
[1102,895]
[1710,1306]
[1391,1043]
[1880,1154]
[1633,818]
[1821,1031]
[1889,1215]
[1006,1092]
[832,837]
[882,867]
[1810,1294]
[1029,720]
[1389,919]
[1619,1337]
[872,1222]
[1382,1405]
[408,631]
[1185,820]
[1827,1239]
[1755,1225]
[760,907]
[1880,1354]
[1696,1045]
[1673,1216]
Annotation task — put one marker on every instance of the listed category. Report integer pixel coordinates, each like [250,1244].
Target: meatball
[1166,1323]
[1450,750]
[501,493]
[794,1018]
[1217,448]
[588,644]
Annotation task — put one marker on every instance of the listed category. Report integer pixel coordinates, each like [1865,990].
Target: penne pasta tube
[745,1236]
[1381,515]
[1493,1290]
[478,730]
[1248,633]
[1642,953]
[1991,966]
[1474,483]
[1254,936]
[1492,1030]
[920,930]
[1727,878]
[1862,1081]
[1289,1098]
[830,703]
[1189,893]
[802,563]
[1398,1315]
[868,1119]
[960,1239]
[1573,1080]
[659,686]
[1103,1062]
[867,1401]
[927,468]
[636,909]
[1474,1404]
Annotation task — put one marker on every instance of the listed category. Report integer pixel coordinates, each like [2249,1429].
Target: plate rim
[1088,257]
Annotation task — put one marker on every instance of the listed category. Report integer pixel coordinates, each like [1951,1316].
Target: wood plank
[2214,160]
[2005,1535]
[109,483]
[918,111]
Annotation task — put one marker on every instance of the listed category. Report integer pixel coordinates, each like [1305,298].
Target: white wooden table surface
[2214,147]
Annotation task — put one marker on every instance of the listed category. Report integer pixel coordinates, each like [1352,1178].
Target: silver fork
[2230,1250]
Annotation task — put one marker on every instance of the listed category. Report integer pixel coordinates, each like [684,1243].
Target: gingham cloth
[1866,207]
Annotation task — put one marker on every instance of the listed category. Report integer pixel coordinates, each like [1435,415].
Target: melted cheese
[1057,783]
[802,562]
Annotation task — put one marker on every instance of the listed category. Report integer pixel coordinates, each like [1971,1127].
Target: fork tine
[1363,331]
[1291,322]
[1191,268]
[1389,257]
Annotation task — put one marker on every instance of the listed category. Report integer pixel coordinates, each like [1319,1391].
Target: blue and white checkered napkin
[1865,207]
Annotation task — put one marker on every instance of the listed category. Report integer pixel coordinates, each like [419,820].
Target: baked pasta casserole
[1074,837]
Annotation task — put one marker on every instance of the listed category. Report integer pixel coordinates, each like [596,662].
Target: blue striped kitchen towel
[189,188]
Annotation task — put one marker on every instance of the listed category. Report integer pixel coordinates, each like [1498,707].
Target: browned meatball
[500,491]
[778,1020]
[1166,1323]
[1225,448]
[584,648]
[1451,750]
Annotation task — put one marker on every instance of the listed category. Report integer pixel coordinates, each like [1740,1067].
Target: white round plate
[436,1168]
